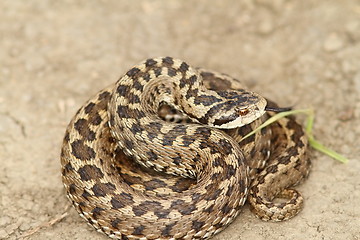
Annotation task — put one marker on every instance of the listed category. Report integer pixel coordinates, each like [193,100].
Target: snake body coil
[135,175]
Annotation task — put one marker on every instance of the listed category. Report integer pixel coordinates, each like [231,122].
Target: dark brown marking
[243,131]
[215,82]
[226,146]
[104,96]
[209,209]
[216,161]
[225,119]
[157,71]
[215,176]
[192,93]
[121,200]
[177,160]
[132,72]
[122,111]
[180,129]
[182,185]
[152,156]
[67,137]
[242,185]
[72,189]
[229,191]
[89,172]
[89,107]
[192,79]
[226,209]
[298,132]
[138,114]
[167,230]
[83,129]
[136,128]
[154,183]
[196,197]
[197,225]
[67,168]
[284,159]
[229,171]
[171,72]
[213,110]
[146,76]
[183,82]
[86,194]
[150,62]
[206,100]
[263,131]
[102,189]
[183,207]
[145,207]
[218,225]
[169,139]
[162,213]
[95,119]
[133,98]
[261,179]
[81,151]
[115,223]
[96,212]
[151,135]
[187,140]
[168,61]
[212,193]
[138,230]
[112,120]
[184,67]
[122,90]
[138,86]
[272,169]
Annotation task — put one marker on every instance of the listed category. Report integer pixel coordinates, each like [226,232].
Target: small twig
[46,224]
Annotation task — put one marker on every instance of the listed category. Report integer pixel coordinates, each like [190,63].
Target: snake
[160,154]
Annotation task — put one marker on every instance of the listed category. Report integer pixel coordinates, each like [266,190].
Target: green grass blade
[309,122]
[321,148]
[276,118]
[308,129]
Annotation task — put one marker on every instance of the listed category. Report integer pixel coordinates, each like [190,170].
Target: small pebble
[3,234]
[266,27]
[333,43]
[24,226]
[346,114]
[5,220]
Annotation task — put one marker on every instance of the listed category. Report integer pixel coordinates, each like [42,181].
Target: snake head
[237,109]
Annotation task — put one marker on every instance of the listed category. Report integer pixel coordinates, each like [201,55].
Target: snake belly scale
[133,174]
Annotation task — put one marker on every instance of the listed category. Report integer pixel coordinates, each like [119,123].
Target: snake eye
[243,112]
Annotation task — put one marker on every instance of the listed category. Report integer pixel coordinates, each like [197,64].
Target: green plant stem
[308,130]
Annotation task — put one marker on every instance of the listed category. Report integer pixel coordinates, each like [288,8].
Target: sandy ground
[54,55]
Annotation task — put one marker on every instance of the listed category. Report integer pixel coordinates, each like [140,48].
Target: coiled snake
[133,172]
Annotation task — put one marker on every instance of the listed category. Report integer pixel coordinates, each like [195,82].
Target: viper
[160,155]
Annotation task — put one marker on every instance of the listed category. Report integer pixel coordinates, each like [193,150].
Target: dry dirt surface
[56,54]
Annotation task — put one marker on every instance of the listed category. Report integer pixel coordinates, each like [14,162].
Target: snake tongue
[277,109]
